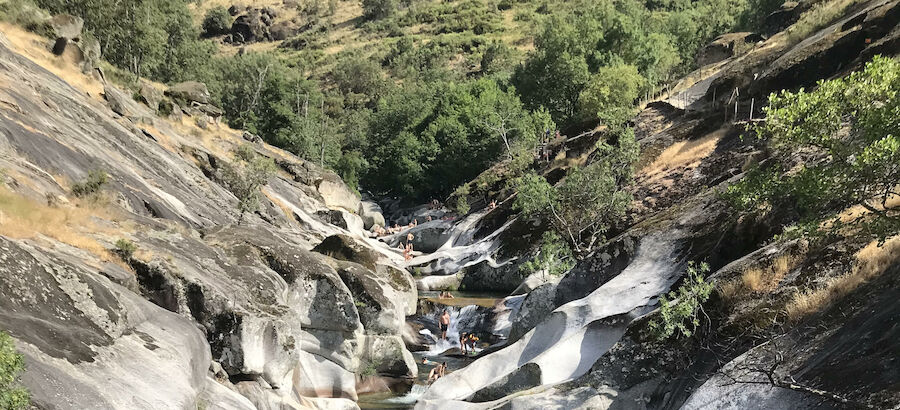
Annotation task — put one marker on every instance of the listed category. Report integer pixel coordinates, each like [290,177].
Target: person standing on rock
[445,323]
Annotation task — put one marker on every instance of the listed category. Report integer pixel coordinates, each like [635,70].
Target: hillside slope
[150,293]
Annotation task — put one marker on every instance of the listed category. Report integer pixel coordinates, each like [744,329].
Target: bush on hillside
[217,21]
[611,93]
[378,9]
[245,176]
[156,39]
[91,185]
[12,395]
[679,311]
[553,258]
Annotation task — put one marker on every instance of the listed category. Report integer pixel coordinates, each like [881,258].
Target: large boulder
[67,26]
[190,91]
[371,214]
[345,248]
[251,27]
[523,378]
[121,103]
[380,310]
[427,236]
[336,193]
[343,219]
[389,356]
[151,96]
[534,309]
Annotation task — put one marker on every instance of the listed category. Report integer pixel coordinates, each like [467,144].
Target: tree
[556,72]
[217,21]
[12,364]
[589,200]
[245,176]
[150,38]
[839,143]
[611,93]
[497,58]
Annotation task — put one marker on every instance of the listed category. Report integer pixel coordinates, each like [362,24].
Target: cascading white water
[409,398]
[457,252]
[461,320]
[568,342]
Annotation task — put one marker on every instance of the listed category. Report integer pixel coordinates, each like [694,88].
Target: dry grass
[683,154]
[855,212]
[759,279]
[280,204]
[25,218]
[35,48]
[871,261]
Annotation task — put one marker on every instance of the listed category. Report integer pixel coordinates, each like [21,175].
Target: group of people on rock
[379,230]
[467,342]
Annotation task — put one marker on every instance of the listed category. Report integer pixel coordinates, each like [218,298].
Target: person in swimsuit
[445,323]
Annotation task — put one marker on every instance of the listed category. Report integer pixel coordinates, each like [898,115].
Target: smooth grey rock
[371,214]
[336,193]
[151,96]
[67,26]
[190,91]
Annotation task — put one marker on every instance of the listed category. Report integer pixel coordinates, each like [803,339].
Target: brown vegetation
[871,261]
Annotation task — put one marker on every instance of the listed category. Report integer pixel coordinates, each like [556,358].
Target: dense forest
[435,94]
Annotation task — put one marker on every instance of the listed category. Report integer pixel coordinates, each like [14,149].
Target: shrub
[12,364]
[91,185]
[246,176]
[589,200]
[611,93]
[553,258]
[370,368]
[679,311]
[377,9]
[461,205]
[26,14]
[217,21]
[125,248]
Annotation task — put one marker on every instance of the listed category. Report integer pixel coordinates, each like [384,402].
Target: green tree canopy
[611,93]
[834,147]
[589,200]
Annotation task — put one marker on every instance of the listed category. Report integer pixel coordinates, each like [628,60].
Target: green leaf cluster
[834,147]
[553,257]
[590,199]
[12,395]
[246,175]
[679,311]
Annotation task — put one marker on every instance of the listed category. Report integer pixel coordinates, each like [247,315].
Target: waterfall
[410,398]
[569,341]
[466,319]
